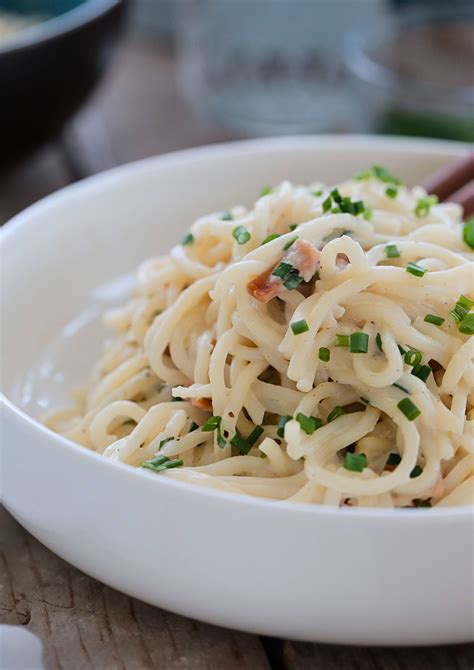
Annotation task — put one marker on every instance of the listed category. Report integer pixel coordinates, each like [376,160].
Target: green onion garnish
[402,388]
[187,239]
[244,445]
[467,325]
[293,280]
[343,340]
[162,462]
[359,343]
[214,423]
[409,409]
[435,320]
[241,235]
[293,226]
[282,270]
[365,400]
[384,175]
[327,204]
[461,309]
[317,194]
[378,341]
[391,192]
[416,472]
[290,243]
[324,354]
[368,213]
[227,216]
[194,426]
[393,459]
[401,349]
[164,441]
[413,357]
[308,423]
[282,421]
[468,232]
[415,269]
[422,503]
[269,238]
[335,413]
[424,205]
[366,174]
[355,462]
[266,190]
[392,251]
[299,327]
[421,371]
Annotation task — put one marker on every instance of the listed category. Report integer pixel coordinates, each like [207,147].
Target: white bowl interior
[56,253]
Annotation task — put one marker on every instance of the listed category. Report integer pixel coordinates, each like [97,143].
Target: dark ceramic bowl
[47,71]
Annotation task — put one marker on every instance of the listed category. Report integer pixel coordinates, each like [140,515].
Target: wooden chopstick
[455,182]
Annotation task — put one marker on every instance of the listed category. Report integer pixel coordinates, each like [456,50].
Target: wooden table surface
[83,624]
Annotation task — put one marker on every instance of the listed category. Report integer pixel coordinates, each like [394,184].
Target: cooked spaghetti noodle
[315,348]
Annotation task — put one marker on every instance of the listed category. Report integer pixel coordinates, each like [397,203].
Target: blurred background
[89,84]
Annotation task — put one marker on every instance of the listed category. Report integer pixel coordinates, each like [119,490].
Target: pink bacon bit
[302,255]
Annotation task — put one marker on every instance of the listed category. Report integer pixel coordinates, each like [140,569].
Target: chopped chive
[468,232]
[161,462]
[324,354]
[308,423]
[422,503]
[463,305]
[245,445]
[365,400]
[293,226]
[421,371]
[378,341]
[416,472]
[299,327]
[409,409]
[359,343]
[435,320]
[368,213]
[413,357]
[163,442]
[241,235]
[401,349]
[290,243]
[384,175]
[317,194]
[402,388]
[343,340]
[282,421]
[355,462]
[424,205]
[335,413]
[212,423]
[391,192]
[327,204]
[293,280]
[467,325]
[393,459]
[392,251]
[366,174]
[266,190]
[194,426]
[269,238]
[282,270]
[227,216]
[262,455]
[187,239]
[415,269]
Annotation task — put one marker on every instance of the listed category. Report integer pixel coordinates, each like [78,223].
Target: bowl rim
[96,182]
[57,26]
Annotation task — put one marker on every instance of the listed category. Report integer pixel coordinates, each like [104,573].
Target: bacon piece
[202,403]
[302,255]
[264,287]
[438,488]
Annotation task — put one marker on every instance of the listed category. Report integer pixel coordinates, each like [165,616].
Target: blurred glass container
[414,74]
[269,66]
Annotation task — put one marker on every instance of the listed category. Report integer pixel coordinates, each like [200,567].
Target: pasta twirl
[315,348]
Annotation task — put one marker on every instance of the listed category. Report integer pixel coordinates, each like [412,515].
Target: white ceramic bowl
[290,570]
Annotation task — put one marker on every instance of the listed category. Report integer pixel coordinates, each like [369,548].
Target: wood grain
[84,624]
